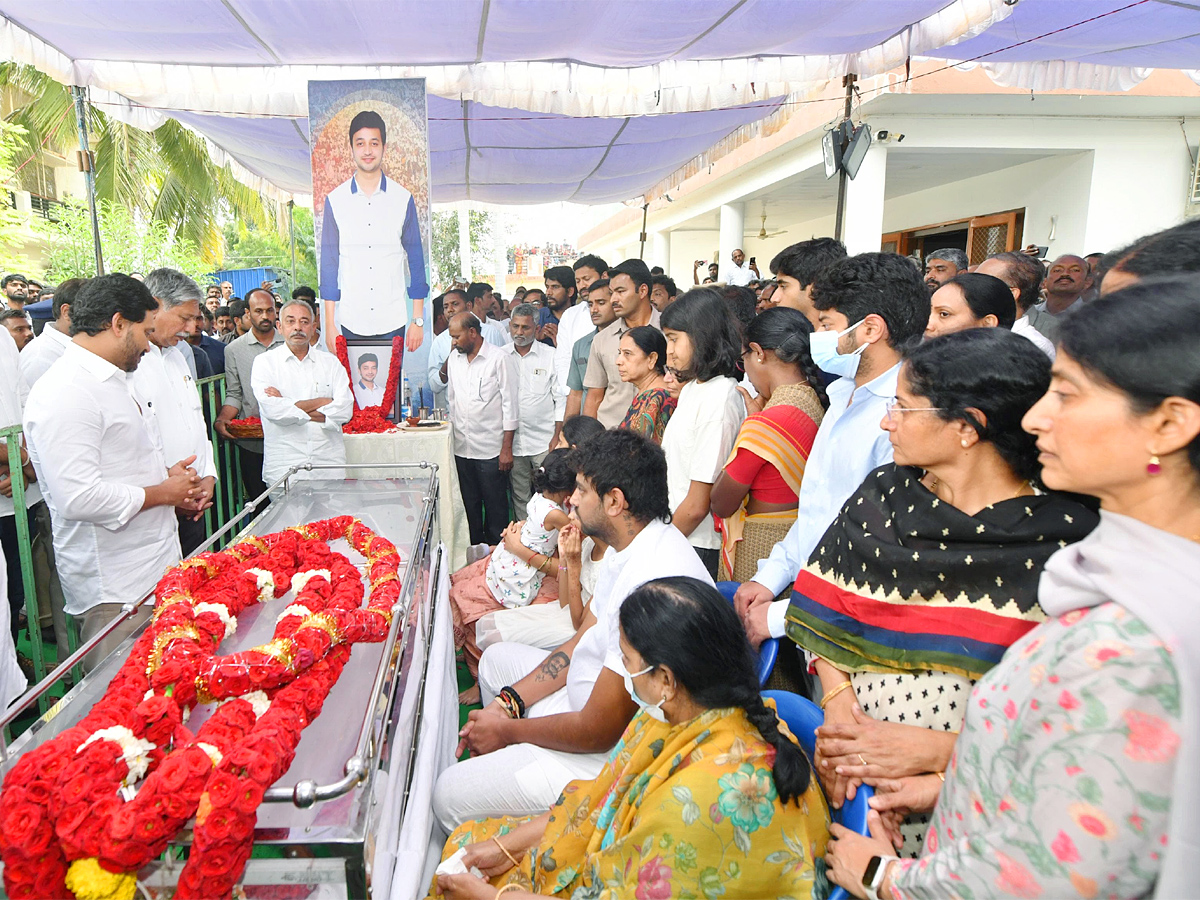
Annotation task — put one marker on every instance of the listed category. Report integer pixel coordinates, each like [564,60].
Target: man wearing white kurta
[304,398]
[100,463]
[539,401]
[164,384]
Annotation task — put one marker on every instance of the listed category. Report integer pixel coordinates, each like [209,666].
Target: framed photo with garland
[371,362]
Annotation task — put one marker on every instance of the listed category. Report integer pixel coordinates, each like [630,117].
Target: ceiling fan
[763,234]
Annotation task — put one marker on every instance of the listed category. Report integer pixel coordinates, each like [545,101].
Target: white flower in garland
[213,753]
[259,702]
[300,579]
[229,621]
[266,583]
[134,750]
[295,609]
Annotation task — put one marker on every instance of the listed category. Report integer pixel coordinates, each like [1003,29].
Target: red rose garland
[373,419]
[72,812]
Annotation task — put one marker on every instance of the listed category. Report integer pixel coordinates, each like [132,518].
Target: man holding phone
[741,273]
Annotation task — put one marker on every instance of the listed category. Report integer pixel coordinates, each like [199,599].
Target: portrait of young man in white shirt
[369,387]
[373,278]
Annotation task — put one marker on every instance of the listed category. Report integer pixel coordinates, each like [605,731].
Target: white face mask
[823,346]
[653,710]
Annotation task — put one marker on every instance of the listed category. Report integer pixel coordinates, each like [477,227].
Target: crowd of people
[964,498]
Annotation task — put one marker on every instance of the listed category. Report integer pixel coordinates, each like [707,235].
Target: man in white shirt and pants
[871,307]
[575,698]
[540,403]
[305,399]
[483,386]
[454,301]
[164,383]
[103,472]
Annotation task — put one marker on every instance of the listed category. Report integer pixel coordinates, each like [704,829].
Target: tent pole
[86,165]
[842,178]
[292,237]
[645,211]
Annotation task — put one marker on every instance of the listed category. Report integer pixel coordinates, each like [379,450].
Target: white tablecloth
[433,445]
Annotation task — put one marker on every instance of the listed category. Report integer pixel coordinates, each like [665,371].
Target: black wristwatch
[873,877]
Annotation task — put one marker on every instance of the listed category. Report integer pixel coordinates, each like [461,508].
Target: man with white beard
[539,401]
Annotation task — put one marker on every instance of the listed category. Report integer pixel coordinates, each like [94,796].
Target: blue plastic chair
[770,647]
[802,718]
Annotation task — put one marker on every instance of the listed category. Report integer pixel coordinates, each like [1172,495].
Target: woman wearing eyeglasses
[932,568]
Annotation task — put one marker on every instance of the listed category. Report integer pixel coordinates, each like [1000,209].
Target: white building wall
[1055,186]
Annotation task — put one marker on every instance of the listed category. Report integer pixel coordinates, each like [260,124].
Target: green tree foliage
[248,247]
[165,176]
[446,264]
[17,231]
[129,245]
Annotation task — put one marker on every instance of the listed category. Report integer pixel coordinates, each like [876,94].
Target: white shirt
[368,395]
[12,406]
[372,260]
[170,402]
[1025,329]
[439,352]
[94,453]
[39,354]
[483,401]
[849,445]
[539,401]
[739,276]
[658,551]
[698,441]
[290,437]
[12,679]
[575,323]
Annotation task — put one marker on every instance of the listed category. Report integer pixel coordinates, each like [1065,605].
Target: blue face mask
[654,710]
[823,346]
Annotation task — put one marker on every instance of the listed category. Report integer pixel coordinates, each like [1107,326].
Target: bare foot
[470,696]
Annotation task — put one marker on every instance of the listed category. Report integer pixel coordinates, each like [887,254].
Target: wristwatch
[419,321]
[872,878]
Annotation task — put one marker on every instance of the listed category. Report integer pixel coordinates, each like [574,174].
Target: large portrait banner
[370,173]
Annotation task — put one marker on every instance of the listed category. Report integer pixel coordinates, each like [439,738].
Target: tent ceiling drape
[537,100]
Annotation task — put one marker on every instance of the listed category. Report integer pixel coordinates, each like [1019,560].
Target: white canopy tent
[541,100]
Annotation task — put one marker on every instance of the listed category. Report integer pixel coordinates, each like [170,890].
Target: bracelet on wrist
[509,694]
[834,692]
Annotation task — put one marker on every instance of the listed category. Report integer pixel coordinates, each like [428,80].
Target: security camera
[884,136]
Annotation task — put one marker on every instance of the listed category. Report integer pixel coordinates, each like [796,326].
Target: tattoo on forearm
[553,666]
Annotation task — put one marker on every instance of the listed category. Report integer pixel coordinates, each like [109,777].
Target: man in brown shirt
[608,397]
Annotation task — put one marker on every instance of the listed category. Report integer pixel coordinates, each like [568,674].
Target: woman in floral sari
[702,796]
[1075,773]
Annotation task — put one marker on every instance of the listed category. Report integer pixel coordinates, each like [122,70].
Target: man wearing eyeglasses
[870,307]
[483,387]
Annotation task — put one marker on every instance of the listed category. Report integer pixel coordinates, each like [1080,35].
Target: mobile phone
[752,260]
[1043,251]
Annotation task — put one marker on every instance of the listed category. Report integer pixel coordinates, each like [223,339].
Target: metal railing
[228,501]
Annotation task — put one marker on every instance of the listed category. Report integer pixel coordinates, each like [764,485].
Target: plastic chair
[802,718]
[770,647]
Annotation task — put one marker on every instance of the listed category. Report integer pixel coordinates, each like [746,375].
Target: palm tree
[165,175]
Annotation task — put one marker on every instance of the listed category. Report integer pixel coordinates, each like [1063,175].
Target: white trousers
[518,780]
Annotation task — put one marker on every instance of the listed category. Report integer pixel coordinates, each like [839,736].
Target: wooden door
[998,233]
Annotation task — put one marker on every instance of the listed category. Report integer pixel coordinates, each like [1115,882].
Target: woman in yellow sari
[756,495]
[704,795]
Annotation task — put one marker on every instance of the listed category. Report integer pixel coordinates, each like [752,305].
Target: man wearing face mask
[539,403]
[164,384]
[871,307]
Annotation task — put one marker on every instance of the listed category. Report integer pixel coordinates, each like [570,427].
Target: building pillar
[863,226]
[660,250]
[733,226]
